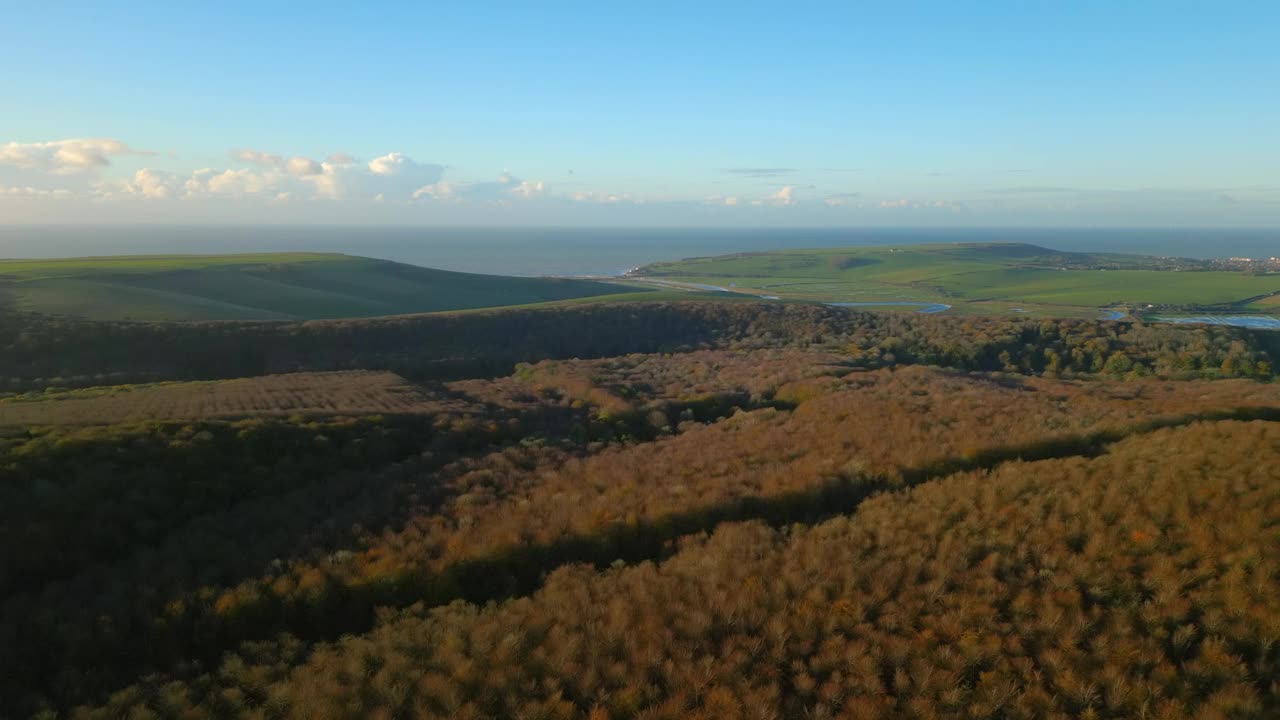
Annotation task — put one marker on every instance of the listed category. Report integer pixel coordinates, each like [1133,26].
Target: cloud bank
[65,156]
[84,179]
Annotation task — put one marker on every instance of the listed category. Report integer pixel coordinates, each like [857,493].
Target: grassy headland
[1003,278]
[268,286]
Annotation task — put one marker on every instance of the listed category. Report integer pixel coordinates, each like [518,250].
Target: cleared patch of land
[357,392]
[1003,278]
[270,286]
[1271,302]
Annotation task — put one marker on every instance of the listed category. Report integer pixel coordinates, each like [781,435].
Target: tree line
[38,352]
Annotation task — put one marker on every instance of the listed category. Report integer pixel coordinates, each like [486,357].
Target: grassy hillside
[974,278]
[999,279]
[276,286]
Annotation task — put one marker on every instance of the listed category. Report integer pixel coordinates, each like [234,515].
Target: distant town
[1081,261]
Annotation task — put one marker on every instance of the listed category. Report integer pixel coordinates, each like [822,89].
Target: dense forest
[641,510]
[1130,585]
[37,352]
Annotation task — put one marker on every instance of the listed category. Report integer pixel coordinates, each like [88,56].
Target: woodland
[652,510]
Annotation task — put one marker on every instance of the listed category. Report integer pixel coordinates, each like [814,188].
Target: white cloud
[151,184]
[296,165]
[390,164]
[730,201]
[259,158]
[504,190]
[337,177]
[329,182]
[28,191]
[64,157]
[302,167]
[196,183]
[237,182]
[918,205]
[785,196]
[527,189]
[84,166]
[434,191]
[394,175]
[590,196]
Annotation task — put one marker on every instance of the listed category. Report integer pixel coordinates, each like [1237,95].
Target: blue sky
[1136,113]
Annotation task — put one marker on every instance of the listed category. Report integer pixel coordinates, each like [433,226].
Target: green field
[281,286]
[987,279]
[973,279]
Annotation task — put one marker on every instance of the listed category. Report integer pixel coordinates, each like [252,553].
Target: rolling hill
[268,286]
[990,278]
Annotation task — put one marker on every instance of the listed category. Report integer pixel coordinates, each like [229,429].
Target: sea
[537,251]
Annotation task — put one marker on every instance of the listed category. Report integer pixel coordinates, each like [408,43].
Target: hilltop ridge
[981,279]
[263,286]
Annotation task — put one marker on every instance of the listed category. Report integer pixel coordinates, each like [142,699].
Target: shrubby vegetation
[334,393]
[124,530]
[135,535]
[37,352]
[405,509]
[76,498]
[1140,583]
[213,565]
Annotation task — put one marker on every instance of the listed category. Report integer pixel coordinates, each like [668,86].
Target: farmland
[270,286]
[997,279]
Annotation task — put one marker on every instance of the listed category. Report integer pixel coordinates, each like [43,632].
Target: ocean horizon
[570,251]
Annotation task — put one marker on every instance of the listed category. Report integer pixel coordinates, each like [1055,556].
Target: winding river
[926,308]
[1253,322]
